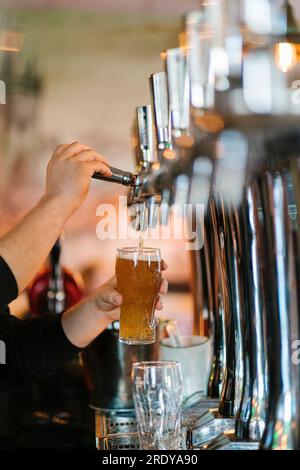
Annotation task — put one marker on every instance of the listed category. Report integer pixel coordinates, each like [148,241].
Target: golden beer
[138,274]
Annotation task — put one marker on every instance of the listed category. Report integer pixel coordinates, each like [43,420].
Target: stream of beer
[141,241]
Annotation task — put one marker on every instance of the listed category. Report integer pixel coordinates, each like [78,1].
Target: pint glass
[138,274]
[157,395]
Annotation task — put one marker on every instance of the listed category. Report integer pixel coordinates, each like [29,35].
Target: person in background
[39,346]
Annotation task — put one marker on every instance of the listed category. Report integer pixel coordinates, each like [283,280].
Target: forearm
[84,322]
[26,246]
[35,347]
[68,178]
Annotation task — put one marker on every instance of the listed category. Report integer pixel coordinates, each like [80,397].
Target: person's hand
[108,300]
[86,320]
[69,174]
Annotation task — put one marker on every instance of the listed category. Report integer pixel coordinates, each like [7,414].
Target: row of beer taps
[227,135]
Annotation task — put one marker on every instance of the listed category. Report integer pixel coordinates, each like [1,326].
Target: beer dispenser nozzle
[145,192]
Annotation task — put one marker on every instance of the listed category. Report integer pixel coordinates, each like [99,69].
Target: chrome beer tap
[153,182]
[141,194]
[157,178]
[152,185]
[161,179]
[176,66]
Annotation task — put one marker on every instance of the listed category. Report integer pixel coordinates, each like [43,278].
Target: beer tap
[139,195]
[152,188]
[176,66]
[143,193]
[154,184]
[161,178]
[160,106]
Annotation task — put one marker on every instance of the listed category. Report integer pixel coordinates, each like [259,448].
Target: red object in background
[37,292]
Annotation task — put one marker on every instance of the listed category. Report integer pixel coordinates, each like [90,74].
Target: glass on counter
[157,394]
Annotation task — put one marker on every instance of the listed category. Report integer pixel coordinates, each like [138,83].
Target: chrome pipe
[211,254]
[232,301]
[252,414]
[280,191]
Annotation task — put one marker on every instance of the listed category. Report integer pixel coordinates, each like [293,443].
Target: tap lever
[140,215]
[179,90]
[152,209]
[159,93]
[165,206]
[118,176]
[145,133]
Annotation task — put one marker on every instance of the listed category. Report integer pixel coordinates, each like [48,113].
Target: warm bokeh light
[11,41]
[286,56]
[185,141]
[209,121]
[169,154]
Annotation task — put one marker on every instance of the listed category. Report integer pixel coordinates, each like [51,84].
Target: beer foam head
[134,253]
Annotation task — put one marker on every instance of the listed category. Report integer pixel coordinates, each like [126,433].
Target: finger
[163,289]
[73,149]
[159,304]
[110,299]
[112,281]
[97,167]
[59,149]
[89,156]
[164,265]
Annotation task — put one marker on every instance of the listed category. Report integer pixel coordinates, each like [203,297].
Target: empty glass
[157,394]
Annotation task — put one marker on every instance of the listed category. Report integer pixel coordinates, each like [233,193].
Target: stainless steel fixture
[226,120]
[261,249]
[116,429]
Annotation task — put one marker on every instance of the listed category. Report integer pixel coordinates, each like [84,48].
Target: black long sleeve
[8,284]
[34,347]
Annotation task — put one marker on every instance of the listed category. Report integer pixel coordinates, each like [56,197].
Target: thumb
[109,298]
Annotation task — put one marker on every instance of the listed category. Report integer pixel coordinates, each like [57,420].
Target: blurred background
[76,70]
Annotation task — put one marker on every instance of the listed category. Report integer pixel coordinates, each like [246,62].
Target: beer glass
[157,395]
[138,272]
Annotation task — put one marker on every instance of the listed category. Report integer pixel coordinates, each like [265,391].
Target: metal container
[116,430]
[108,364]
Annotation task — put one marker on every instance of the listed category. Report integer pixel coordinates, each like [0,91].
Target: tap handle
[202,33]
[160,101]
[144,133]
[118,176]
[179,90]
